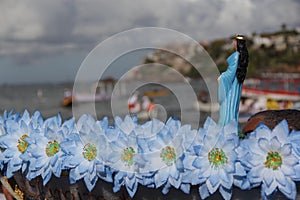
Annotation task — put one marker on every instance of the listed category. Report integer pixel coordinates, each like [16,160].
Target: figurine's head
[240,37]
[239,42]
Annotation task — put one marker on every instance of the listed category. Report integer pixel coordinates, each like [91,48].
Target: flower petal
[268,177]
[287,170]
[275,144]
[268,190]
[262,131]
[214,178]
[286,150]
[226,194]
[203,191]
[290,160]
[279,176]
[289,190]
[185,188]
[263,144]
[223,175]
[132,190]
[281,131]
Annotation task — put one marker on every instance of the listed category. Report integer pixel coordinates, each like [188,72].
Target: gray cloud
[31,30]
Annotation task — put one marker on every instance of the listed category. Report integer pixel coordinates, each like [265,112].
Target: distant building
[268,40]
[294,42]
[259,41]
[279,42]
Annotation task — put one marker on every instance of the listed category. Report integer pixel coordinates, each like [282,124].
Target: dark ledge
[271,118]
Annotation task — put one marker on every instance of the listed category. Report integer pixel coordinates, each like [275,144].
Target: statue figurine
[230,82]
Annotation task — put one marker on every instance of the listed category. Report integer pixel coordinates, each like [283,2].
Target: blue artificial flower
[154,154]
[87,152]
[145,134]
[45,154]
[6,116]
[123,157]
[271,161]
[15,141]
[213,163]
[166,152]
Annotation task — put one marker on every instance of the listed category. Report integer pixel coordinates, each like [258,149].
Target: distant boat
[103,91]
[156,92]
[270,92]
[279,87]
[87,97]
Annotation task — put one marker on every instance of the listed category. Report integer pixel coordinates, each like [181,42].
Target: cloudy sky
[46,41]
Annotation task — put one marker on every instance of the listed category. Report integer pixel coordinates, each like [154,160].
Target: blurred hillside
[268,52]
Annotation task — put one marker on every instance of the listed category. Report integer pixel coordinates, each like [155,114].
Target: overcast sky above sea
[46,41]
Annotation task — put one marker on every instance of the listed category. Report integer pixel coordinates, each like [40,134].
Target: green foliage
[216,48]
[283,55]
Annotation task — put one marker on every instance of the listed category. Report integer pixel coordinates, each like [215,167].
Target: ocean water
[47,98]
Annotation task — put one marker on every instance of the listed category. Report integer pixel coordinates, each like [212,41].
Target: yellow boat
[155,93]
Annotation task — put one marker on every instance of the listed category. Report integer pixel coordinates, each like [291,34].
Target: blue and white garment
[229,91]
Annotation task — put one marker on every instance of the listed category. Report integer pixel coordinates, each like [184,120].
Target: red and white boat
[276,86]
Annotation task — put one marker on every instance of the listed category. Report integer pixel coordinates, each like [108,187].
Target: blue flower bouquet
[56,159]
